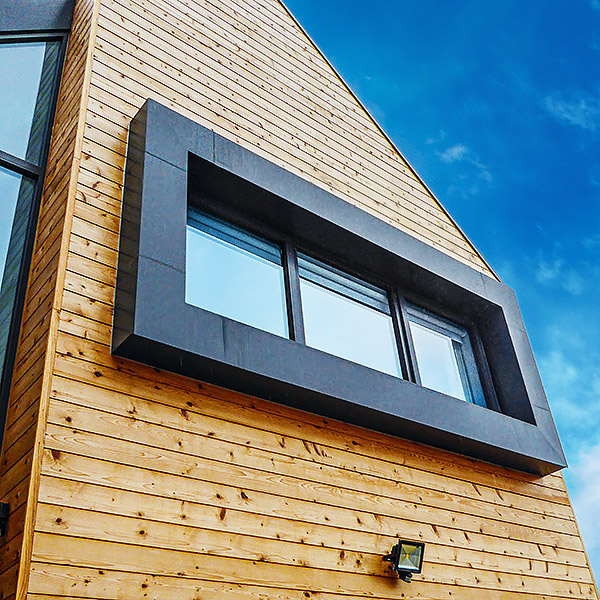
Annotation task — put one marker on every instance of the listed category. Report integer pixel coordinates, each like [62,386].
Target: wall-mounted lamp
[406,558]
[4,512]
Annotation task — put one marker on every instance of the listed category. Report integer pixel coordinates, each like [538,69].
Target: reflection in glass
[10,183]
[347,317]
[437,362]
[444,354]
[27,80]
[16,197]
[234,274]
[410,557]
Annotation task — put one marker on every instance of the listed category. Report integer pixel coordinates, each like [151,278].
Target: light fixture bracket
[4,514]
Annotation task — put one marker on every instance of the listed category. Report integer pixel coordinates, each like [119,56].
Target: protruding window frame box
[171,161]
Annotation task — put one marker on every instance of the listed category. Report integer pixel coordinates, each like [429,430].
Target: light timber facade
[143,459]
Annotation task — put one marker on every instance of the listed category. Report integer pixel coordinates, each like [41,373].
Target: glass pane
[344,326]
[436,361]
[26,77]
[235,274]
[16,196]
[410,557]
[10,183]
[347,285]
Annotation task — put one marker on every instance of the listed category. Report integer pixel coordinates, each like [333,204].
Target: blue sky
[496,103]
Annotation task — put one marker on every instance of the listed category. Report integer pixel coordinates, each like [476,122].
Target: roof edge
[389,140]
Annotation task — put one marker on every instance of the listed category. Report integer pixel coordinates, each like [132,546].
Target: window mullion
[406,347]
[18,165]
[292,292]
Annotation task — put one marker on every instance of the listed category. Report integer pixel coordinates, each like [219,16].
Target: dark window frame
[172,160]
[24,21]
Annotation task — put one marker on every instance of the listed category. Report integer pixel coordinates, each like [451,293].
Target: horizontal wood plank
[108,584]
[131,379]
[377,512]
[226,518]
[259,432]
[58,549]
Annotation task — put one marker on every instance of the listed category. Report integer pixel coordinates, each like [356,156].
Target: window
[30,64]
[347,317]
[444,356]
[359,313]
[236,274]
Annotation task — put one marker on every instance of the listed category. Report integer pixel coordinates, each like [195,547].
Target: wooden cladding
[250,76]
[154,485]
[19,468]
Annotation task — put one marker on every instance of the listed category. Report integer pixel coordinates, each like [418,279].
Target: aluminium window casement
[234,273]
[240,275]
[346,316]
[444,356]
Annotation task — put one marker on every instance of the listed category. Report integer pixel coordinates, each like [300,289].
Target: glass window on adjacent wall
[29,70]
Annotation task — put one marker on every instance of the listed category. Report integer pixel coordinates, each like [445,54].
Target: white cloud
[568,367]
[582,111]
[548,271]
[574,283]
[484,172]
[572,392]
[557,273]
[591,242]
[595,387]
[594,172]
[470,178]
[454,153]
[441,137]
[558,371]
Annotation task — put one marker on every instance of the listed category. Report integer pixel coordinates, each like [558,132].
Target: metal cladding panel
[173,161]
[36,15]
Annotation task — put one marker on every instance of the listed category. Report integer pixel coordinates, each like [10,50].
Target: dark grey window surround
[172,161]
[29,21]
[36,15]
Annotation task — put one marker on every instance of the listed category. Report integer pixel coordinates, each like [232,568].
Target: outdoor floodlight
[406,558]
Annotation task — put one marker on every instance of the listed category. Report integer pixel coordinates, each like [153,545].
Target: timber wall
[154,485]
[19,467]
